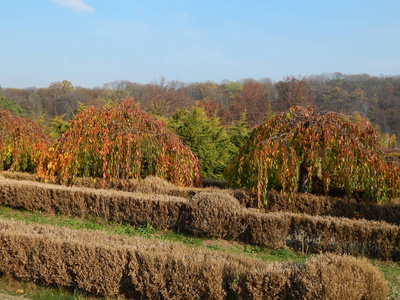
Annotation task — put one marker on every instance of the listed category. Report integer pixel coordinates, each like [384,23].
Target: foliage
[210,107]
[253,99]
[81,107]
[12,106]
[57,127]
[206,138]
[376,97]
[293,91]
[119,142]
[333,99]
[163,98]
[303,150]
[60,93]
[60,88]
[22,141]
[388,141]
[232,89]
[239,133]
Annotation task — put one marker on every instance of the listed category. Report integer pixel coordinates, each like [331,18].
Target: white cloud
[75,5]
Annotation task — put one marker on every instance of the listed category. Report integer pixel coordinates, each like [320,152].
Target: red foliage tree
[210,107]
[298,147]
[292,91]
[120,142]
[253,99]
[22,142]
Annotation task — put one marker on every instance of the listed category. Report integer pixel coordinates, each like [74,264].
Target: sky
[93,42]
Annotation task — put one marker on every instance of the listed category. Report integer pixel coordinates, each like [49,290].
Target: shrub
[342,277]
[119,142]
[22,141]
[213,213]
[307,151]
[205,137]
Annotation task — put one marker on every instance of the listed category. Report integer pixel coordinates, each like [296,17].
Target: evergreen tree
[58,126]
[206,138]
[239,133]
[11,106]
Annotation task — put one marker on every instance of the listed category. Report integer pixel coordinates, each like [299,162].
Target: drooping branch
[300,146]
[120,142]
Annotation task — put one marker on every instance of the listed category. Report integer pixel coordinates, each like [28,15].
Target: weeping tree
[22,142]
[306,151]
[119,142]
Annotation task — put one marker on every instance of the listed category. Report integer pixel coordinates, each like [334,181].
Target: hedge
[109,265]
[212,214]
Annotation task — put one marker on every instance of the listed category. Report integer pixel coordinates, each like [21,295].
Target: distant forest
[378,98]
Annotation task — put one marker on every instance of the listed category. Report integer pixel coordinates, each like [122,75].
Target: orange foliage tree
[298,148]
[22,142]
[119,142]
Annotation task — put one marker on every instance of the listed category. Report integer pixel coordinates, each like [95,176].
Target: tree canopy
[300,147]
[119,142]
[12,106]
[376,97]
[22,142]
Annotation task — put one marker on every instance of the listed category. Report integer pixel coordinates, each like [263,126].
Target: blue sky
[92,42]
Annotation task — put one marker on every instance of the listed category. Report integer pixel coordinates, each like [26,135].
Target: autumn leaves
[298,150]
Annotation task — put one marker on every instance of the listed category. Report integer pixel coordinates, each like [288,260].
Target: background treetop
[376,97]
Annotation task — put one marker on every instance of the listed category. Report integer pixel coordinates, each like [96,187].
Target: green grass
[35,292]
[179,237]
[392,274]
[214,247]
[145,230]
[389,269]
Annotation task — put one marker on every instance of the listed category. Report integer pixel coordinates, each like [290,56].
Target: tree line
[214,119]
[376,97]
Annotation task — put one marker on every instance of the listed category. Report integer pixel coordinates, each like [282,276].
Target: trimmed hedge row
[219,215]
[110,265]
[212,214]
[161,211]
[275,201]
[323,206]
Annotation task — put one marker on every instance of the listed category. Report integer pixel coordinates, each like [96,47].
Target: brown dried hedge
[150,184]
[301,232]
[323,206]
[109,265]
[161,211]
[275,201]
[212,214]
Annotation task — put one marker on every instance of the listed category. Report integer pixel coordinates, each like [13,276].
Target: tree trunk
[303,179]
